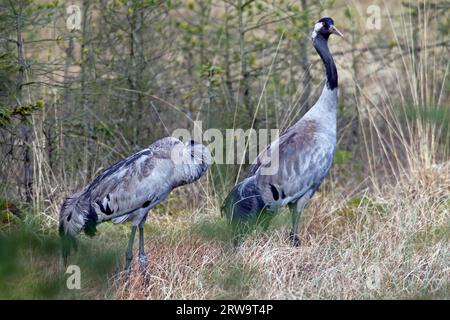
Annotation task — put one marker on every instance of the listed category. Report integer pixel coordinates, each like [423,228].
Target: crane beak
[334,30]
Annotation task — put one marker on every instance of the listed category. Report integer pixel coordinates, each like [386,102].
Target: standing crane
[127,190]
[304,154]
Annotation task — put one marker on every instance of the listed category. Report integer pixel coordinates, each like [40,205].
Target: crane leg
[296,211]
[143,260]
[129,254]
[295,216]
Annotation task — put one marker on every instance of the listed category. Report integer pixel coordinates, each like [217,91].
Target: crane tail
[244,203]
[76,214]
[67,243]
[244,208]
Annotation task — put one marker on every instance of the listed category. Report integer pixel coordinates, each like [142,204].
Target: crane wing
[299,161]
[142,180]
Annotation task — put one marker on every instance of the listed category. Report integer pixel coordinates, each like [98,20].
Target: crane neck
[321,45]
[324,110]
[191,163]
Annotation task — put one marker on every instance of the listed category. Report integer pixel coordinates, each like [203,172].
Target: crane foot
[143,262]
[295,241]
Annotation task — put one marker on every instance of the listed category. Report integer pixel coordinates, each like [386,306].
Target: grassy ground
[393,243]
[388,245]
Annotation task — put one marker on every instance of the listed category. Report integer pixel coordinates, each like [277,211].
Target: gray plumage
[127,190]
[304,154]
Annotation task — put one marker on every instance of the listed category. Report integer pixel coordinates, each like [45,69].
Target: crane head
[199,154]
[325,27]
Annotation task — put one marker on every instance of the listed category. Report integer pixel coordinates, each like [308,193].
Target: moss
[7,218]
[9,212]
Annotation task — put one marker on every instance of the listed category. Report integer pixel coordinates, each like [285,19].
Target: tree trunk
[304,59]
[245,81]
[132,70]
[228,81]
[25,130]
[66,97]
[84,91]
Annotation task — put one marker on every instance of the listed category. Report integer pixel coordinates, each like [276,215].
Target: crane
[128,189]
[304,154]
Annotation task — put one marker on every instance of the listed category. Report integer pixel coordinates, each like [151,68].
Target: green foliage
[348,11]
[213,229]
[189,28]
[8,62]
[31,264]
[438,116]
[101,130]
[48,6]
[211,72]
[7,218]
[366,202]
[8,70]
[10,213]
[7,112]
[444,26]
[352,211]
[342,156]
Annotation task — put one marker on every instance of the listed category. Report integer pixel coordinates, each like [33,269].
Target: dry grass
[389,245]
